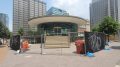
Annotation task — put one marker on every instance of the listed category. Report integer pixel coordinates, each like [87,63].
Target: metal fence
[34,39]
[94,41]
[64,44]
[74,35]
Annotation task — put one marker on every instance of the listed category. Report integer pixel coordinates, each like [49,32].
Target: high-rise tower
[23,10]
[4,19]
[102,8]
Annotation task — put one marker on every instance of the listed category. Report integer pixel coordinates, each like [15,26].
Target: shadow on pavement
[30,53]
[115,47]
[57,54]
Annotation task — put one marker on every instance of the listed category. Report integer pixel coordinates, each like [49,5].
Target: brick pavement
[3,52]
[33,58]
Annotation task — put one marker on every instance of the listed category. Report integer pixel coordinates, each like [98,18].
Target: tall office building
[23,10]
[102,8]
[4,19]
[56,11]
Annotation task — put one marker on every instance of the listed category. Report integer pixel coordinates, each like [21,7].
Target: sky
[6,7]
[78,8]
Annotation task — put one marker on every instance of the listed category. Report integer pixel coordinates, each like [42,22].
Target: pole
[85,44]
[41,45]
[34,37]
[61,49]
[119,35]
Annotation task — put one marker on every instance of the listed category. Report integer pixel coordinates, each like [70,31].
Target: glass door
[57,30]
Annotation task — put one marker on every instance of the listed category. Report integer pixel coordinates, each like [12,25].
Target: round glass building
[56,25]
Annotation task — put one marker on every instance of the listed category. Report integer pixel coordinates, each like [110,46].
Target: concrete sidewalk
[104,58]
[3,52]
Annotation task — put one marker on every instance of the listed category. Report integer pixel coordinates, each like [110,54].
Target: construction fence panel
[94,41]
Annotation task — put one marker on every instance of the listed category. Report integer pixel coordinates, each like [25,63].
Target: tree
[4,31]
[31,32]
[1,29]
[108,26]
[21,31]
[9,34]
[95,29]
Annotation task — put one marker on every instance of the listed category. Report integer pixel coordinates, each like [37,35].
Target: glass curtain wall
[57,28]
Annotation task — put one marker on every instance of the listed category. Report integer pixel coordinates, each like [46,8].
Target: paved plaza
[64,57]
[3,52]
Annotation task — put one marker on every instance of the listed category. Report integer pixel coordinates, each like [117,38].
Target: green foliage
[108,26]
[4,32]
[1,29]
[21,31]
[95,29]
[31,32]
[10,34]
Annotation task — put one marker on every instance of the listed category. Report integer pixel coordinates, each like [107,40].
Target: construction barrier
[15,42]
[94,41]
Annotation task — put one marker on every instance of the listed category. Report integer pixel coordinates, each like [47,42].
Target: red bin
[79,46]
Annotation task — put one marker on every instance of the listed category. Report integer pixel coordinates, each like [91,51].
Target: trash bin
[79,46]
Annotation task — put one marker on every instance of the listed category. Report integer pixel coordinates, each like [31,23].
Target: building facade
[58,25]
[23,10]
[57,11]
[4,19]
[85,27]
[102,8]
